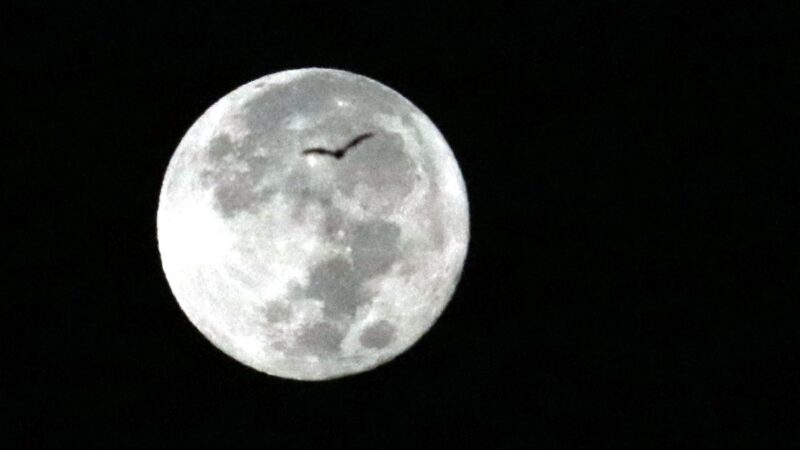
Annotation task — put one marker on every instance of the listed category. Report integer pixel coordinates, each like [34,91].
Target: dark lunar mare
[339,283]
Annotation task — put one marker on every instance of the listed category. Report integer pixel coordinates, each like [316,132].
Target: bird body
[339,152]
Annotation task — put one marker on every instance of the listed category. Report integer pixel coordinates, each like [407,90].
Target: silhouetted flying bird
[339,152]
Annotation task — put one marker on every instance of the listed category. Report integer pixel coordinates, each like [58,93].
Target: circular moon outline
[306,266]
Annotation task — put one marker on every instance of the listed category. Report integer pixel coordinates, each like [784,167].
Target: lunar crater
[378,335]
[321,338]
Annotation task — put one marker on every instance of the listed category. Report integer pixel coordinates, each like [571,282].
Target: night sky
[633,277]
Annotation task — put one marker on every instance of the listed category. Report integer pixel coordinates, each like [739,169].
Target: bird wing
[318,151]
[357,140]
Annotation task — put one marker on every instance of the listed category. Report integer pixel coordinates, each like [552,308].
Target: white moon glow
[304,265]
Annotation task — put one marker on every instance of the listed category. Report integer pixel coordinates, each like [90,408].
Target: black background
[633,278]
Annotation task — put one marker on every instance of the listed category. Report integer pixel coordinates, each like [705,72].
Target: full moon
[313,224]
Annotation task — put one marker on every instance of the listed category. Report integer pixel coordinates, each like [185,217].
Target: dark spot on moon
[232,198]
[338,281]
[320,339]
[219,147]
[277,313]
[300,208]
[236,190]
[339,287]
[374,247]
[382,165]
[378,335]
[333,222]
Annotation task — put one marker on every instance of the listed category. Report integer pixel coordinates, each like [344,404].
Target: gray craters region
[381,165]
[277,313]
[374,247]
[338,281]
[338,285]
[232,198]
[219,148]
[334,223]
[377,335]
[235,174]
[320,339]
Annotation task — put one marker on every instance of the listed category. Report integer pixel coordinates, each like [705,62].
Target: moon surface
[303,265]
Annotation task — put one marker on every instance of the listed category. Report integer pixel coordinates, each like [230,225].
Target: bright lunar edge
[301,263]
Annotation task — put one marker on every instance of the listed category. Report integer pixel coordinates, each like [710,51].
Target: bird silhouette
[339,152]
